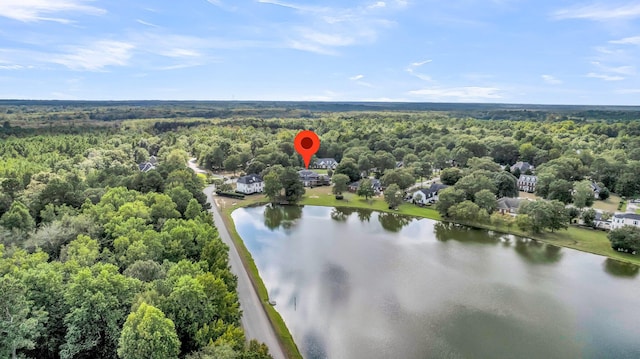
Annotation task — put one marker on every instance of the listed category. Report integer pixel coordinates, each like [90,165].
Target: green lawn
[609,205]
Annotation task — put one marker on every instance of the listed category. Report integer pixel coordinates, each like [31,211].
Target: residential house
[149,165]
[312,179]
[146,167]
[527,183]
[625,219]
[249,184]
[596,190]
[375,183]
[522,166]
[429,195]
[509,205]
[325,163]
[601,223]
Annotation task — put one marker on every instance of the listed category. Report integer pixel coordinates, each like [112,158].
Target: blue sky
[507,51]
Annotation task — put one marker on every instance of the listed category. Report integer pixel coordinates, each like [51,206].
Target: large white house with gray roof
[625,219]
[250,184]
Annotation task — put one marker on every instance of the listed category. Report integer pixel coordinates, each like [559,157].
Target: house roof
[374,182]
[307,175]
[509,203]
[153,160]
[326,160]
[595,187]
[522,166]
[250,178]
[434,188]
[627,216]
[146,166]
[528,178]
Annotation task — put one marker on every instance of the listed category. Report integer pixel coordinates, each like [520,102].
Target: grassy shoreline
[282,332]
[585,240]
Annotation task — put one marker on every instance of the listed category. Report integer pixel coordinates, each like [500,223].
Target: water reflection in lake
[354,284]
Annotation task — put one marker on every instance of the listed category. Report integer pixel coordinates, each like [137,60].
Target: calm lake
[361,284]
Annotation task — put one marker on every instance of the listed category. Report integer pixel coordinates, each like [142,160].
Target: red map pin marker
[306,144]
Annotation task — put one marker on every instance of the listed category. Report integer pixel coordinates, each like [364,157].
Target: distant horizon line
[364,102]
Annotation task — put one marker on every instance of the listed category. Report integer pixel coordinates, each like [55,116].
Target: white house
[250,184]
[527,183]
[429,195]
[625,219]
[596,190]
[325,163]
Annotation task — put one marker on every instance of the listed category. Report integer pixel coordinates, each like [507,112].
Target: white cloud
[418,64]
[465,93]
[146,23]
[323,29]
[97,56]
[43,10]
[599,12]
[623,70]
[634,40]
[293,6]
[326,39]
[412,70]
[11,67]
[551,80]
[357,79]
[377,5]
[604,77]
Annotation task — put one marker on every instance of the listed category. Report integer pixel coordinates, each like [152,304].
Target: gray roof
[509,203]
[627,216]
[522,166]
[595,187]
[250,178]
[374,182]
[308,175]
[146,166]
[327,161]
[434,189]
[528,178]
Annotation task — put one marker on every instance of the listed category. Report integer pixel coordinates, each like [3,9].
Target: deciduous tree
[340,182]
[393,195]
[148,334]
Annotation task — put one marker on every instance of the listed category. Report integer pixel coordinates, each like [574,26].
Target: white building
[428,195]
[625,219]
[527,183]
[250,184]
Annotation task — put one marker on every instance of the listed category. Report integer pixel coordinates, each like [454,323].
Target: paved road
[254,320]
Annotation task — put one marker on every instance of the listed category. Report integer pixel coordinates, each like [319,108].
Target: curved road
[254,319]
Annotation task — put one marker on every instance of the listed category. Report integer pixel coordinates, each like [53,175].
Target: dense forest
[95,254]
[100,260]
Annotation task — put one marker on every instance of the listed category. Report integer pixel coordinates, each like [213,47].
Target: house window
[635,223]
